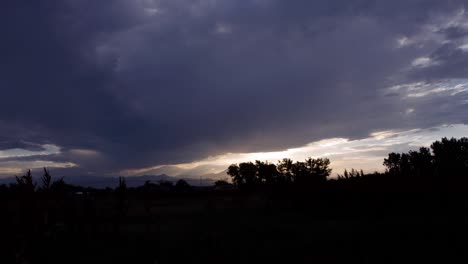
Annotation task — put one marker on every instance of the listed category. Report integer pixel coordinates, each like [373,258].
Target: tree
[266,172]
[182,184]
[318,169]
[451,157]
[122,185]
[221,183]
[121,204]
[166,184]
[421,163]
[233,171]
[148,186]
[46,180]
[248,172]
[25,182]
[58,186]
[300,173]
[405,165]
[353,173]
[346,175]
[285,174]
[393,163]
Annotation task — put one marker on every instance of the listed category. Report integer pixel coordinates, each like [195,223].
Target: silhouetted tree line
[445,160]
[25,184]
[351,174]
[309,172]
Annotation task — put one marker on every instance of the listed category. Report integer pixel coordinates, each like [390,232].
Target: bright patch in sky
[422,62]
[366,154]
[223,28]
[11,168]
[16,161]
[464,47]
[47,150]
[403,41]
[448,87]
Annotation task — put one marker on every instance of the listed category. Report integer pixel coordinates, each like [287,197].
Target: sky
[187,87]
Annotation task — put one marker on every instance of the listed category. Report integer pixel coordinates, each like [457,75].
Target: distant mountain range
[132,181]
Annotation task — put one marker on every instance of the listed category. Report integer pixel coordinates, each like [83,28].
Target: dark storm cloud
[143,83]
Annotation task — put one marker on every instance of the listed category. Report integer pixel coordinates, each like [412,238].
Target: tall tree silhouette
[121,205]
[244,174]
[392,162]
[285,170]
[46,180]
[448,162]
[25,182]
[266,172]
[59,186]
[318,169]
[248,171]
[421,163]
[451,157]
[312,171]
[299,172]
[233,171]
[182,185]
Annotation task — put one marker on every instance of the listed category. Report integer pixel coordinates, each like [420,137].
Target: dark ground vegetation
[415,212]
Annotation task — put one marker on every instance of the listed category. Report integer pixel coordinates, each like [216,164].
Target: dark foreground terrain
[231,226]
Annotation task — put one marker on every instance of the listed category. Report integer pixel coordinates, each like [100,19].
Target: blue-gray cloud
[143,83]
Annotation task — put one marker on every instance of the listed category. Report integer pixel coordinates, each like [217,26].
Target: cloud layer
[126,84]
